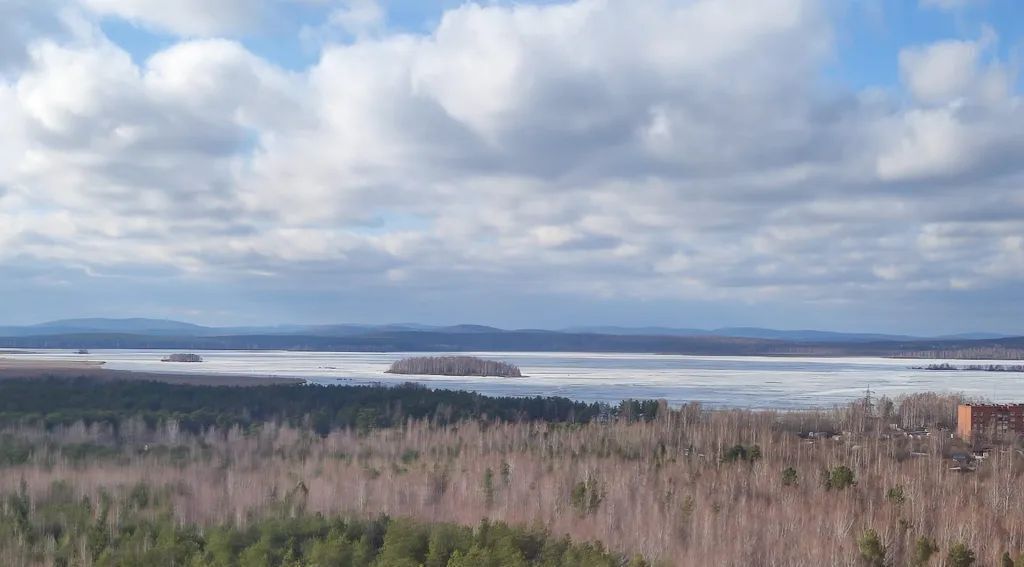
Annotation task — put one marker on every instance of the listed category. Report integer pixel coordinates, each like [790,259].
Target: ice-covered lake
[761,382]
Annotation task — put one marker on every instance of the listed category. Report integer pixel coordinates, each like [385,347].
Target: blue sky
[870,32]
[852,165]
[282,41]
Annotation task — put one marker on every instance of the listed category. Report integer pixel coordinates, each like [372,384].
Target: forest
[454,366]
[640,483]
[136,527]
[947,367]
[322,408]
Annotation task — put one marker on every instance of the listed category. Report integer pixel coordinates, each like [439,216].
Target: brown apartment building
[989,418]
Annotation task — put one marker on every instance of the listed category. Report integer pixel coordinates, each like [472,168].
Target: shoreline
[909,357]
[12,369]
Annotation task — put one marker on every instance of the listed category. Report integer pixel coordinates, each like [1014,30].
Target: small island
[454,366]
[183,357]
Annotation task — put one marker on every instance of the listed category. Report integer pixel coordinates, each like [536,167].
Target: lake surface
[755,382]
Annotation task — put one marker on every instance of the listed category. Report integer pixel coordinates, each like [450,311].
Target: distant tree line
[981,352]
[532,341]
[945,366]
[454,366]
[56,401]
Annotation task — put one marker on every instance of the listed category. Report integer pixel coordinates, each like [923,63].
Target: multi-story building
[989,418]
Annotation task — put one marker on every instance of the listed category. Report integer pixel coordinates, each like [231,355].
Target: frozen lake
[758,382]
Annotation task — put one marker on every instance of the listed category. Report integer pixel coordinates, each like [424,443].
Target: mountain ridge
[169,327]
[479,338]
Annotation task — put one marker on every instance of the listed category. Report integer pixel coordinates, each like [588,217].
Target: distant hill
[807,335]
[462,329]
[524,341]
[100,325]
[976,336]
[407,341]
[744,332]
[164,334]
[644,331]
[137,324]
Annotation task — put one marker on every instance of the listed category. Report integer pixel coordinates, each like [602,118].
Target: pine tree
[872,551]
[896,495]
[839,478]
[924,549]
[488,487]
[960,556]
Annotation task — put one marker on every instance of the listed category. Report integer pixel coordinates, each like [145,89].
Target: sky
[853,165]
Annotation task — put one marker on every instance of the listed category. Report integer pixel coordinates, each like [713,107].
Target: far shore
[11,369]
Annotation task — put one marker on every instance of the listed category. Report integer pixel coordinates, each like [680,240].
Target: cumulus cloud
[358,17]
[184,17]
[966,116]
[650,149]
[948,70]
[23,23]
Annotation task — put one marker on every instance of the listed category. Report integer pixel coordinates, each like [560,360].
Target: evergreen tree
[333,550]
[872,550]
[488,487]
[445,541]
[839,478]
[960,556]
[405,545]
[924,549]
[638,561]
[896,495]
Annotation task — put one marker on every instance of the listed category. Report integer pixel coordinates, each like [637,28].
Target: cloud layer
[654,150]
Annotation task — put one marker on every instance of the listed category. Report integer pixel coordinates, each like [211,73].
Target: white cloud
[945,71]
[964,113]
[345,21]
[358,17]
[931,143]
[940,72]
[184,17]
[643,149]
[120,164]
[68,89]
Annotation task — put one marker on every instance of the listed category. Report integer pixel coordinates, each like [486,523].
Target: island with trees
[183,357]
[454,366]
